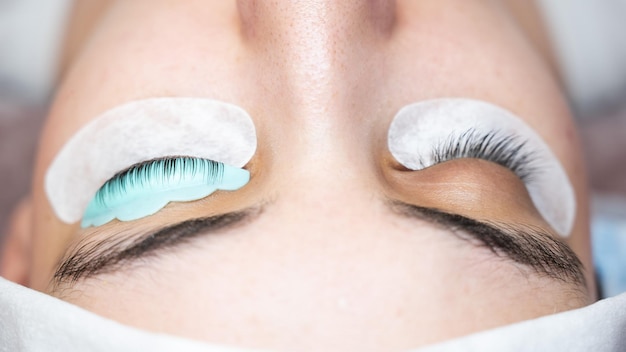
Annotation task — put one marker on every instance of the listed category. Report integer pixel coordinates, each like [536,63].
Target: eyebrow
[88,259]
[523,244]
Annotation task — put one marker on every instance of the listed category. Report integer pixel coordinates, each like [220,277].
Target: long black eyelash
[160,171]
[505,150]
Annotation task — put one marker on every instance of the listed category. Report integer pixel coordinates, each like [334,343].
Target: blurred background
[588,37]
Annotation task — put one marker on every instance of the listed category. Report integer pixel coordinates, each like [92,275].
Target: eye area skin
[327,264]
[470,186]
[462,186]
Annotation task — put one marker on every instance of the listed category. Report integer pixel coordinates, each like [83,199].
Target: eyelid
[418,129]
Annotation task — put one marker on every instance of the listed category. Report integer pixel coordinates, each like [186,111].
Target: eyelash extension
[504,150]
[160,172]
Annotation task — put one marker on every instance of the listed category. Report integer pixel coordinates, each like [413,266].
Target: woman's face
[331,245]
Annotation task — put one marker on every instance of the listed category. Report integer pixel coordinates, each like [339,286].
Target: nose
[318,52]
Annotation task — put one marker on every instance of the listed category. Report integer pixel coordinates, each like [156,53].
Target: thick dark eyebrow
[523,244]
[89,259]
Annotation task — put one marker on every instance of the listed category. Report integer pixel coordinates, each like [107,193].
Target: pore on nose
[284,20]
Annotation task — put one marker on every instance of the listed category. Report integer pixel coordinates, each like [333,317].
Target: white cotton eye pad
[140,131]
[418,129]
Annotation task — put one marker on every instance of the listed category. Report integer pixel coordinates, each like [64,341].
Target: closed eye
[431,132]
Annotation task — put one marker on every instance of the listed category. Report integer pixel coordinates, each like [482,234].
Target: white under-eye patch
[140,131]
[430,132]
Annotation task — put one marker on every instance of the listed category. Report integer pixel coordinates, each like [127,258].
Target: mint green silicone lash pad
[204,133]
[145,189]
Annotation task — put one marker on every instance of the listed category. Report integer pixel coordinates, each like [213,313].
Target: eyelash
[504,150]
[159,172]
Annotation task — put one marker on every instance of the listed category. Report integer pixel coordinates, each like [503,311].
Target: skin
[326,265]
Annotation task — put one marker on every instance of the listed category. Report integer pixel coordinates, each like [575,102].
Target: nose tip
[260,19]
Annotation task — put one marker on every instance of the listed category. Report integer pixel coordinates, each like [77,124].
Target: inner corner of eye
[249,165]
[395,165]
